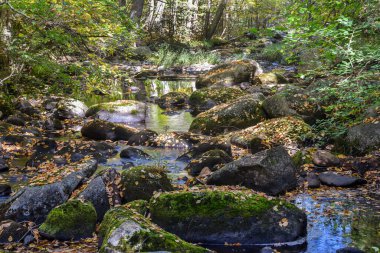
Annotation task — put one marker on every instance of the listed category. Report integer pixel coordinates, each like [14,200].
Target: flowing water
[336,218]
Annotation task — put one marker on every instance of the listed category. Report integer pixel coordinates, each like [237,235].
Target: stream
[336,218]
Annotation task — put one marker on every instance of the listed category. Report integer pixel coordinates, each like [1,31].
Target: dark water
[336,218]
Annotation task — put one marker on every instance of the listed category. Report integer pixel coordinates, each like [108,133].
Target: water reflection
[339,219]
[159,121]
[160,156]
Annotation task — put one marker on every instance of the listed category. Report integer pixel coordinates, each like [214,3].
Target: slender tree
[217,18]
[137,10]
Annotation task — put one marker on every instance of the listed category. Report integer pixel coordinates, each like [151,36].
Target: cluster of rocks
[235,107]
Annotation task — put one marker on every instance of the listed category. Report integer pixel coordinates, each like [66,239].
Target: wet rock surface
[270,171]
[103,130]
[334,179]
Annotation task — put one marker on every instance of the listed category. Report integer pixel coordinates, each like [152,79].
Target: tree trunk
[137,10]
[207,18]
[218,16]
[5,39]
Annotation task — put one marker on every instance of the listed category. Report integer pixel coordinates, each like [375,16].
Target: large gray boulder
[229,74]
[364,137]
[212,159]
[204,99]
[70,108]
[33,203]
[270,171]
[220,216]
[293,101]
[104,130]
[96,193]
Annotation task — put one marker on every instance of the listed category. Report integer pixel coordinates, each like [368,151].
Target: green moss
[270,78]
[110,107]
[134,112]
[148,238]
[219,96]
[208,203]
[238,114]
[140,206]
[72,220]
[142,181]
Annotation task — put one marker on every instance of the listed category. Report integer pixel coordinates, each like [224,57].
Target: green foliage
[273,53]
[169,57]
[333,33]
[205,203]
[49,38]
[345,103]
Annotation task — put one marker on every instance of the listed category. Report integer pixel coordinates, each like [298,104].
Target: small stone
[324,158]
[11,231]
[313,181]
[134,153]
[3,166]
[5,190]
[333,179]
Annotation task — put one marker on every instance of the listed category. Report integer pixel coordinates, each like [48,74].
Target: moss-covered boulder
[219,217]
[204,99]
[241,113]
[229,74]
[142,181]
[293,101]
[104,130]
[141,206]
[173,100]
[73,220]
[287,131]
[124,230]
[269,78]
[212,159]
[121,111]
